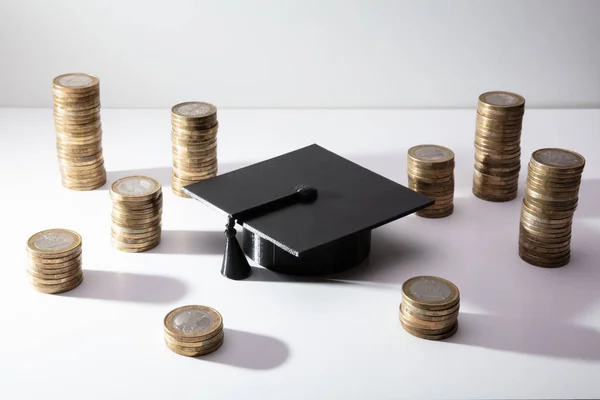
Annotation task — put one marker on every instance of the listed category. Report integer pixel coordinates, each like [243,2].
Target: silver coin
[430,290]
[75,80]
[558,158]
[192,321]
[431,153]
[136,187]
[54,240]
[195,109]
[501,99]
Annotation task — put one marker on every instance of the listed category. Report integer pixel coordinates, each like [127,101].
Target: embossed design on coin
[431,153]
[75,80]
[194,110]
[501,99]
[192,321]
[430,289]
[558,158]
[54,240]
[135,186]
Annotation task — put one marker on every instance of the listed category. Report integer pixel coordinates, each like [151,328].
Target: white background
[309,53]
[525,332]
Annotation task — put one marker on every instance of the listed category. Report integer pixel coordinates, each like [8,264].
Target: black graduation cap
[308,212]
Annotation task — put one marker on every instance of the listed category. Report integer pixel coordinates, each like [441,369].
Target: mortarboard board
[307,212]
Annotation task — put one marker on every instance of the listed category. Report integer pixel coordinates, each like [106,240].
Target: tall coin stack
[194,143]
[429,308]
[498,146]
[431,172]
[193,330]
[551,196]
[136,213]
[54,261]
[78,131]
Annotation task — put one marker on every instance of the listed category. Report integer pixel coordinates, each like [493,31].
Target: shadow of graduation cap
[307,212]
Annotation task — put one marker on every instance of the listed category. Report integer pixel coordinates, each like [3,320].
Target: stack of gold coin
[431,172]
[193,330]
[194,144]
[136,213]
[498,146]
[78,131]
[54,261]
[429,308]
[551,196]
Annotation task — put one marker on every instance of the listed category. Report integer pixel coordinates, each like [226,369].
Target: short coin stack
[431,172]
[136,213]
[551,196]
[78,131]
[498,146]
[429,308]
[194,144]
[54,261]
[193,330]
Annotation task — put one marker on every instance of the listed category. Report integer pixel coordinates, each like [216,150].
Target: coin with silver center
[75,80]
[194,109]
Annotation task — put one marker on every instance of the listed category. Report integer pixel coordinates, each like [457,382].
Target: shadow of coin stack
[193,330]
[54,261]
[429,308]
[431,172]
[194,144]
[551,196]
[136,213]
[78,131]
[498,146]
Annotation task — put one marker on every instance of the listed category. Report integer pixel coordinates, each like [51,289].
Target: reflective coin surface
[502,99]
[75,80]
[192,321]
[558,158]
[54,240]
[432,153]
[194,109]
[135,186]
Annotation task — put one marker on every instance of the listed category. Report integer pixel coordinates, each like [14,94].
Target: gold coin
[193,353]
[431,313]
[130,242]
[193,323]
[53,268]
[60,288]
[195,346]
[417,323]
[422,335]
[117,245]
[52,273]
[494,197]
[411,312]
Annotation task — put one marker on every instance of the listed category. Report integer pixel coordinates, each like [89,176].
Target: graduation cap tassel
[235,265]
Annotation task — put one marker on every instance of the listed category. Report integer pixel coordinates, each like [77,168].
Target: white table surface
[525,332]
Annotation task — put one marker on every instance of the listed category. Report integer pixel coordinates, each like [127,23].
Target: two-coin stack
[194,144]
[78,131]
[54,260]
[498,146]
[136,213]
[193,330]
[431,172]
[429,308]
[551,196]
